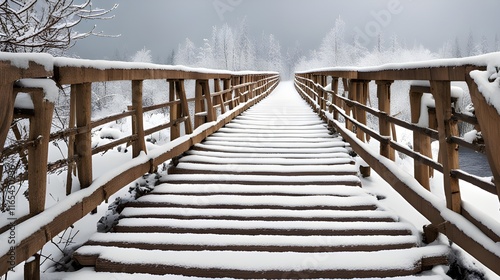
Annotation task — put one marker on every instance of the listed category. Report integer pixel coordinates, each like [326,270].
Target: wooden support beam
[138,119]
[359,89]
[384,105]
[209,107]
[421,142]
[449,151]
[83,141]
[219,100]
[178,109]
[229,94]
[7,98]
[184,107]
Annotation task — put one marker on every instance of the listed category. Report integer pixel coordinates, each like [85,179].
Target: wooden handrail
[346,111]
[80,74]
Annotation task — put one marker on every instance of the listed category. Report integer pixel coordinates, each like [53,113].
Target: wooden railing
[346,110]
[233,92]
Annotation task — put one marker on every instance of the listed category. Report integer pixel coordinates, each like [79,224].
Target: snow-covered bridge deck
[233,206]
[269,191]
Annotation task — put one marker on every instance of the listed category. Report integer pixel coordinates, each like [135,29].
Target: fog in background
[160,26]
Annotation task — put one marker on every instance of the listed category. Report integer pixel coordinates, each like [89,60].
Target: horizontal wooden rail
[34,229]
[346,111]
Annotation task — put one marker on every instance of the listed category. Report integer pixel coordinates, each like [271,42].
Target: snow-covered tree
[45,25]
[186,54]
[205,55]
[457,50]
[245,50]
[274,55]
[496,44]
[143,55]
[469,47]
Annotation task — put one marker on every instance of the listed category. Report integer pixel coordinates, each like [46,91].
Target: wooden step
[225,154]
[140,210]
[344,180]
[263,169]
[244,227]
[262,243]
[244,264]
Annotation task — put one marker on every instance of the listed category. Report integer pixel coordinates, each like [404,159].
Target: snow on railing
[40,79]
[432,101]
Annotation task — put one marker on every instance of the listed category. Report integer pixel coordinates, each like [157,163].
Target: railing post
[40,125]
[200,116]
[209,103]
[384,105]
[421,143]
[174,110]
[219,99]
[138,119]
[449,151]
[229,94]
[83,140]
[335,99]
[353,87]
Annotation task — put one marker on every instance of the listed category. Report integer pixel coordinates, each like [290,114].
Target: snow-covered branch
[46,25]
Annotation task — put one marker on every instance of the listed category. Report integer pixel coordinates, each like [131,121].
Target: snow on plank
[270,264]
[277,243]
[265,144]
[258,214]
[279,127]
[267,135]
[224,154]
[264,169]
[349,180]
[247,138]
[245,189]
[240,227]
[317,201]
[281,123]
[230,149]
[321,131]
[276,161]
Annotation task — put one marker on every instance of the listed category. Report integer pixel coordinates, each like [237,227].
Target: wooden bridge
[260,183]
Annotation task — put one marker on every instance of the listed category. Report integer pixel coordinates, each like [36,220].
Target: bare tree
[45,25]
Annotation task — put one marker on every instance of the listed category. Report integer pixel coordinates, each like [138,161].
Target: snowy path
[274,194]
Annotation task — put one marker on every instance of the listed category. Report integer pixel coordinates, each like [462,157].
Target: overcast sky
[160,25]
